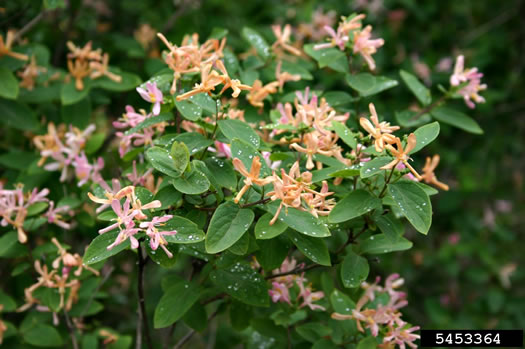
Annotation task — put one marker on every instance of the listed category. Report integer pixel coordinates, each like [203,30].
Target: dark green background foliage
[450,285]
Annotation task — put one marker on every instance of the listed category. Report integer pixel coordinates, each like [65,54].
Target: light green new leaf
[456,119]
[180,155]
[354,270]
[188,110]
[228,224]
[314,249]
[263,229]
[413,202]
[418,89]
[175,302]
[194,141]
[242,283]
[345,134]
[355,204]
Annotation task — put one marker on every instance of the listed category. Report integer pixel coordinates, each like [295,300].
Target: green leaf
[241,130]
[196,317]
[272,253]
[156,119]
[456,119]
[301,221]
[338,98]
[54,4]
[242,283]
[168,196]
[227,225]
[263,229]
[188,110]
[373,167]
[193,182]
[17,115]
[98,248]
[222,171]
[367,343]
[354,270]
[294,69]
[355,204]
[246,152]
[128,82]
[218,33]
[70,95]
[367,84]
[194,141]
[390,226]
[94,143]
[9,86]
[341,303]
[345,134]
[330,57]
[8,302]
[162,161]
[313,248]
[187,231]
[36,208]
[78,113]
[204,101]
[18,160]
[255,39]
[418,89]
[380,243]
[313,331]
[405,118]
[180,155]
[43,335]
[413,202]
[425,135]
[175,302]
[9,245]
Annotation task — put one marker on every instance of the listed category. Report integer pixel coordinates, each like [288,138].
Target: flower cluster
[60,277]
[384,318]
[6,47]
[14,206]
[131,118]
[361,41]
[131,212]
[469,82]
[86,62]
[29,74]
[66,149]
[281,285]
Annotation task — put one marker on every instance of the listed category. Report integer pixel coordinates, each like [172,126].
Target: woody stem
[429,107]
[386,182]
[142,321]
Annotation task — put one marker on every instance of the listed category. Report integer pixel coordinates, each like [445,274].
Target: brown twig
[71,330]
[92,297]
[429,107]
[190,334]
[295,271]
[386,182]
[29,25]
[258,202]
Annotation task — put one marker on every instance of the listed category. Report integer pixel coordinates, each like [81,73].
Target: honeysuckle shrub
[261,195]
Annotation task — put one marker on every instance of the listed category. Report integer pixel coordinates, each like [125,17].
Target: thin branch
[259,202]
[71,330]
[429,108]
[386,182]
[142,320]
[295,271]
[29,25]
[92,297]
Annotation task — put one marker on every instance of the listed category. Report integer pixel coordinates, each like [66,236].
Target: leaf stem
[142,320]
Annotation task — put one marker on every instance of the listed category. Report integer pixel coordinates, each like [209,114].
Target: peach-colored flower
[252,177]
[428,172]
[365,46]
[283,77]
[283,40]
[30,73]
[402,154]
[380,131]
[99,69]
[259,92]
[6,47]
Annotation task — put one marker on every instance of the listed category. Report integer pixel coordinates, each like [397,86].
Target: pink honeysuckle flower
[472,77]
[402,336]
[339,39]
[279,293]
[130,118]
[135,178]
[76,139]
[221,150]
[82,168]
[310,297]
[109,193]
[365,46]
[274,165]
[37,196]
[54,215]
[127,233]
[454,238]
[153,95]
[124,215]
[444,65]
[401,166]
[157,237]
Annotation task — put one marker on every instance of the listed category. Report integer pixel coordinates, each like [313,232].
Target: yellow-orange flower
[251,177]
[402,154]
[6,47]
[380,131]
[428,172]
